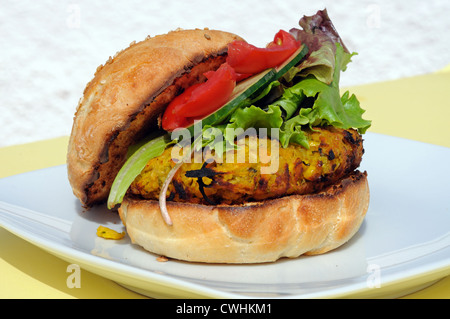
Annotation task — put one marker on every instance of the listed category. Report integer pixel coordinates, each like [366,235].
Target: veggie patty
[332,154]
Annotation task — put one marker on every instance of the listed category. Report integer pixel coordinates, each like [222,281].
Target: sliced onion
[162,194]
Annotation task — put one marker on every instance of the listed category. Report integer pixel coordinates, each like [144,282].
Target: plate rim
[72,254]
[105,268]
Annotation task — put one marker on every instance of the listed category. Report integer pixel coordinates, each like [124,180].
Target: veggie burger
[214,150]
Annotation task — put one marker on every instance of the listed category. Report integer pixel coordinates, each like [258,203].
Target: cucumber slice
[242,91]
[295,59]
[250,86]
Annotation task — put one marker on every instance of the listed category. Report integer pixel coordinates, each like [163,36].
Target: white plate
[403,244]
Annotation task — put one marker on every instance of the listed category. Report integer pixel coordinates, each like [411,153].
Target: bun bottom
[254,232]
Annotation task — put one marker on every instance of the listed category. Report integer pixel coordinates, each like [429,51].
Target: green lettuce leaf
[134,165]
[291,114]
[329,108]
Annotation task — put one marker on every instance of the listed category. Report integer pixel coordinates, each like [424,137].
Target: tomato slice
[248,59]
[242,76]
[243,61]
[201,99]
[171,119]
[212,94]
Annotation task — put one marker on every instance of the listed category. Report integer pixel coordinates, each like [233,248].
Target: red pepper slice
[246,58]
[201,99]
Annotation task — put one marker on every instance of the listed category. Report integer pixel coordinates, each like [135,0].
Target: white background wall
[49,50]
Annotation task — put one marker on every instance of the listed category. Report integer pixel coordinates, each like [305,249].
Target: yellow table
[417,108]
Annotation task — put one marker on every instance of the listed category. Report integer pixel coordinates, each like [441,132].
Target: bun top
[127,94]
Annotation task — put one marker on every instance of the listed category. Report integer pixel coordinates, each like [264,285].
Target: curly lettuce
[309,102]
